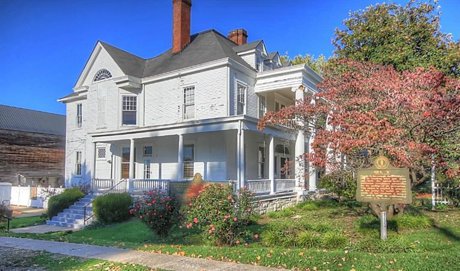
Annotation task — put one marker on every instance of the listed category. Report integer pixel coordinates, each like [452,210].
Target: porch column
[271,164]
[241,174]
[312,175]
[180,158]
[131,159]
[300,145]
[92,175]
[242,160]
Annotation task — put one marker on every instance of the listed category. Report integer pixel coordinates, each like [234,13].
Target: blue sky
[44,44]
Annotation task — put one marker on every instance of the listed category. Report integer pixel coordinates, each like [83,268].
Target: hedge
[58,203]
[112,208]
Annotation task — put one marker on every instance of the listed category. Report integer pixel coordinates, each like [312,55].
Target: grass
[321,234]
[56,262]
[21,222]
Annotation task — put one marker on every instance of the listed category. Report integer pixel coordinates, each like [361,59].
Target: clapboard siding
[30,154]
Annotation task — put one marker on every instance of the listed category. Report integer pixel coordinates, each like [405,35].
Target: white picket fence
[28,196]
[440,194]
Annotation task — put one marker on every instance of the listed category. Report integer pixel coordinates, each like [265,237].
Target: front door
[125,155]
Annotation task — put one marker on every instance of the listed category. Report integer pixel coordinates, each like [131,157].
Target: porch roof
[190,127]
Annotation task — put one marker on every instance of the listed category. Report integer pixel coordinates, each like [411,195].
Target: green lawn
[55,262]
[23,222]
[320,235]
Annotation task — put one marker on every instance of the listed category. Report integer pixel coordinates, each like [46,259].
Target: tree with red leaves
[364,108]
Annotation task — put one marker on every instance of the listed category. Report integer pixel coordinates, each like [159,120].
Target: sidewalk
[168,262]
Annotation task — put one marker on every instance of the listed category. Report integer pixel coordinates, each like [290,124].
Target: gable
[99,59]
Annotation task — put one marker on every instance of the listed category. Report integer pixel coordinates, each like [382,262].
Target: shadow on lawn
[448,233]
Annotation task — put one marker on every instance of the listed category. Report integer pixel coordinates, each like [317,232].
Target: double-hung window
[240,98]
[262,106]
[78,163]
[129,110]
[189,102]
[79,115]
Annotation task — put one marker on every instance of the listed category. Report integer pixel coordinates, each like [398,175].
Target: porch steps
[73,217]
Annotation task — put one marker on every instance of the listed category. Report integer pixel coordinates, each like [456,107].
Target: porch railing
[284,185]
[259,186]
[141,185]
[108,185]
[263,186]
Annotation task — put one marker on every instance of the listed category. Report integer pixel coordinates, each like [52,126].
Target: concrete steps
[73,217]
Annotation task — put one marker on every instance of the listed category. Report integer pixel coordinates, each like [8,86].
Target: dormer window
[101,75]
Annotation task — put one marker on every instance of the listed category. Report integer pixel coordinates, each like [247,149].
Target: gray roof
[247,46]
[204,47]
[27,120]
[272,55]
[128,63]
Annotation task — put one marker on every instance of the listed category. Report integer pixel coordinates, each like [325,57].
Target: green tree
[317,64]
[403,36]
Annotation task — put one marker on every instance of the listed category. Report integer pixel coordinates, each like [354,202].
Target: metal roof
[27,120]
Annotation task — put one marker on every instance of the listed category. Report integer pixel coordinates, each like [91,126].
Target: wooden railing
[283,185]
[142,185]
[263,186]
[108,185]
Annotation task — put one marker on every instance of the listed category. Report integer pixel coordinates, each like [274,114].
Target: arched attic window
[101,75]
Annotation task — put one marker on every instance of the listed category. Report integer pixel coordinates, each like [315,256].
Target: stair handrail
[85,219]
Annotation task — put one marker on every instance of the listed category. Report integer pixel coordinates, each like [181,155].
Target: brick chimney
[181,24]
[238,36]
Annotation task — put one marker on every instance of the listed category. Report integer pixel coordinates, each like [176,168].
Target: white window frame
[79,115]
[186,115]
[245,98]
[123,110]
[78,163]
[100,149]
[262,111]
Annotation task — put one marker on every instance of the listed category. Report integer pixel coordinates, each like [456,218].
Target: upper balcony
[283,80]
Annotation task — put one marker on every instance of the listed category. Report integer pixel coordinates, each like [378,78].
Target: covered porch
[230,150]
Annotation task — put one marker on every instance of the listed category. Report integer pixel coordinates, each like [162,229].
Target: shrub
[159,211]
[219,214]
[58,203]
[112,208]
[194,188]
[5,212]
[340,183]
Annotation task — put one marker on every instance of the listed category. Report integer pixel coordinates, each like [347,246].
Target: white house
[191,109]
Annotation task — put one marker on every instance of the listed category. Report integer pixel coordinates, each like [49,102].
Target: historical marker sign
[383,184]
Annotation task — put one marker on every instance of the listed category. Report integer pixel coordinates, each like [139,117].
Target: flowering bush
[158,210]
[220,214]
